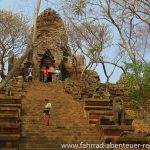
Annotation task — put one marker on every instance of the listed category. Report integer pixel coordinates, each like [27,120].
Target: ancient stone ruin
[83,109]
[52,49]
[107,112]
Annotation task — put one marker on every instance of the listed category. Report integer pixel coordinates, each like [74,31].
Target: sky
[27,7]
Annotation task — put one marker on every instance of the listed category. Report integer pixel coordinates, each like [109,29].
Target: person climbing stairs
[68,124]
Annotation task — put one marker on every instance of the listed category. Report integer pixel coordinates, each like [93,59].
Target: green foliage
[101,4]
[79,7]
[94,49]
[137,81]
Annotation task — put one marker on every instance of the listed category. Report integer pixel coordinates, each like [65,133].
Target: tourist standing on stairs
[47,108]
[30,77]
[45,73]
[57,73]
[30,70]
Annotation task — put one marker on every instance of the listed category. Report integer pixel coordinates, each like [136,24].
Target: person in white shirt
[30,77]
[47,108]
[57,73]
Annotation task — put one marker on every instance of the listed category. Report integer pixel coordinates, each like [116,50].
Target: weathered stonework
[51,37]
[51,50]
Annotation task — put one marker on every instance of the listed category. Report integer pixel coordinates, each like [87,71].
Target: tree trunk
[22,58]
[15,67]
[2,74]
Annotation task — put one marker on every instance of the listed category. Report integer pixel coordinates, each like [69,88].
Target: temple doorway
[47,62]
[49,79]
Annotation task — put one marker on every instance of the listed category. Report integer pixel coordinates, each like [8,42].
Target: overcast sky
[27,7]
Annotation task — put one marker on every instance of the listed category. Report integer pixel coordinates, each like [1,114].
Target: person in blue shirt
[57,73]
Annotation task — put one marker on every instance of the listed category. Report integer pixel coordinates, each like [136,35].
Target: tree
[137,84]
[90,39]
[28,50]
[14,33]
[129,19]
[89,35]
[132,22]
[140,8]
[116,14]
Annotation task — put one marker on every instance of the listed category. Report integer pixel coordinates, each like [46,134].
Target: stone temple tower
[51,49]
[51,42]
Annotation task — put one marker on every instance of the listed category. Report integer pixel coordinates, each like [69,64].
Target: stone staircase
[68,125]
[100,113]
[10,109]
[98,108]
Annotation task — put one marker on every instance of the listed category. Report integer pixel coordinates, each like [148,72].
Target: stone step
[97,107]
[108,120]
[109,139]
[9,144]
[55,148]
[100,112]
[10,128]
[56,128]
[97,102]
[40,122]
[58,124]
[59,127]
[5,108]
[49,146]
[10,137]
[116,130]
[57,140]
[40,146]
[11,105]
[8,115]
[94,115]
[8,125]
[61,134]
[10,148]
[52,129]
[10,131]
[24,148]
[61,121]
[9,110]
[133,140]
[10,99]
[60,137]
[20,93]
[8,118]
[18,86]
[128,140]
